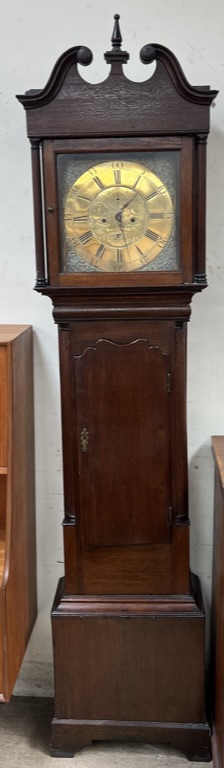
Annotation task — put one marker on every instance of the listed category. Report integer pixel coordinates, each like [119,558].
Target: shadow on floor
[32,718]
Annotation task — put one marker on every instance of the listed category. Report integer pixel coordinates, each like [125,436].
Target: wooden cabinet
[17,502]
[218,607]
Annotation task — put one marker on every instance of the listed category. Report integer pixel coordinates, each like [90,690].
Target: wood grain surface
[17,503]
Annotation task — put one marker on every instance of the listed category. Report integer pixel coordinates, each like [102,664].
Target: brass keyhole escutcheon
[84,439]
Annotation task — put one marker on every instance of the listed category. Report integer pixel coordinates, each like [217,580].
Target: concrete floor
[25,743]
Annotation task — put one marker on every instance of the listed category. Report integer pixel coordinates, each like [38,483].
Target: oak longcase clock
[119,204]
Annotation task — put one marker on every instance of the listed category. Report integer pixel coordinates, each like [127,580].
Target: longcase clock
[119,204]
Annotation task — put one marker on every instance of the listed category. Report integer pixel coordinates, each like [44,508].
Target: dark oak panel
[128,570]
[115,389]
[105,650]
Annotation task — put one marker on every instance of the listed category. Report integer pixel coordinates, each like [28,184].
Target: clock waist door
[123,445]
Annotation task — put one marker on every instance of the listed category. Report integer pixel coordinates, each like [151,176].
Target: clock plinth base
[129,669]
[69,738]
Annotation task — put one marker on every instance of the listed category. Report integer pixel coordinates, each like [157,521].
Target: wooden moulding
[107,605]
[38,213]
[69,305]
[70,106]
[192,740]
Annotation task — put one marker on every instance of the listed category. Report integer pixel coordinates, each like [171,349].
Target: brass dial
[118,216]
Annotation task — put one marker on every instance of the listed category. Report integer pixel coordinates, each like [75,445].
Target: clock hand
[122,231]
[118,215]
[126,245]
[128,202]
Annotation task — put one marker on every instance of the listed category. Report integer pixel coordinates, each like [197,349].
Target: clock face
[118,212]
[117,216]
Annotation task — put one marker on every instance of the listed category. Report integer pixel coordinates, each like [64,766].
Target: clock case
[128,619]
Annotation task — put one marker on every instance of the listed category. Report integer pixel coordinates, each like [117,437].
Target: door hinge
[170,515]
[168,382]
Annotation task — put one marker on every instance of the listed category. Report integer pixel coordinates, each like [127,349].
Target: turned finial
[116,55]
[116,34]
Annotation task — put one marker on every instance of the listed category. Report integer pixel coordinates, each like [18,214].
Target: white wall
[33,35]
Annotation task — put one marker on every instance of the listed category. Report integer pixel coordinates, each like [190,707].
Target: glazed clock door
[115,213]
[123,446]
